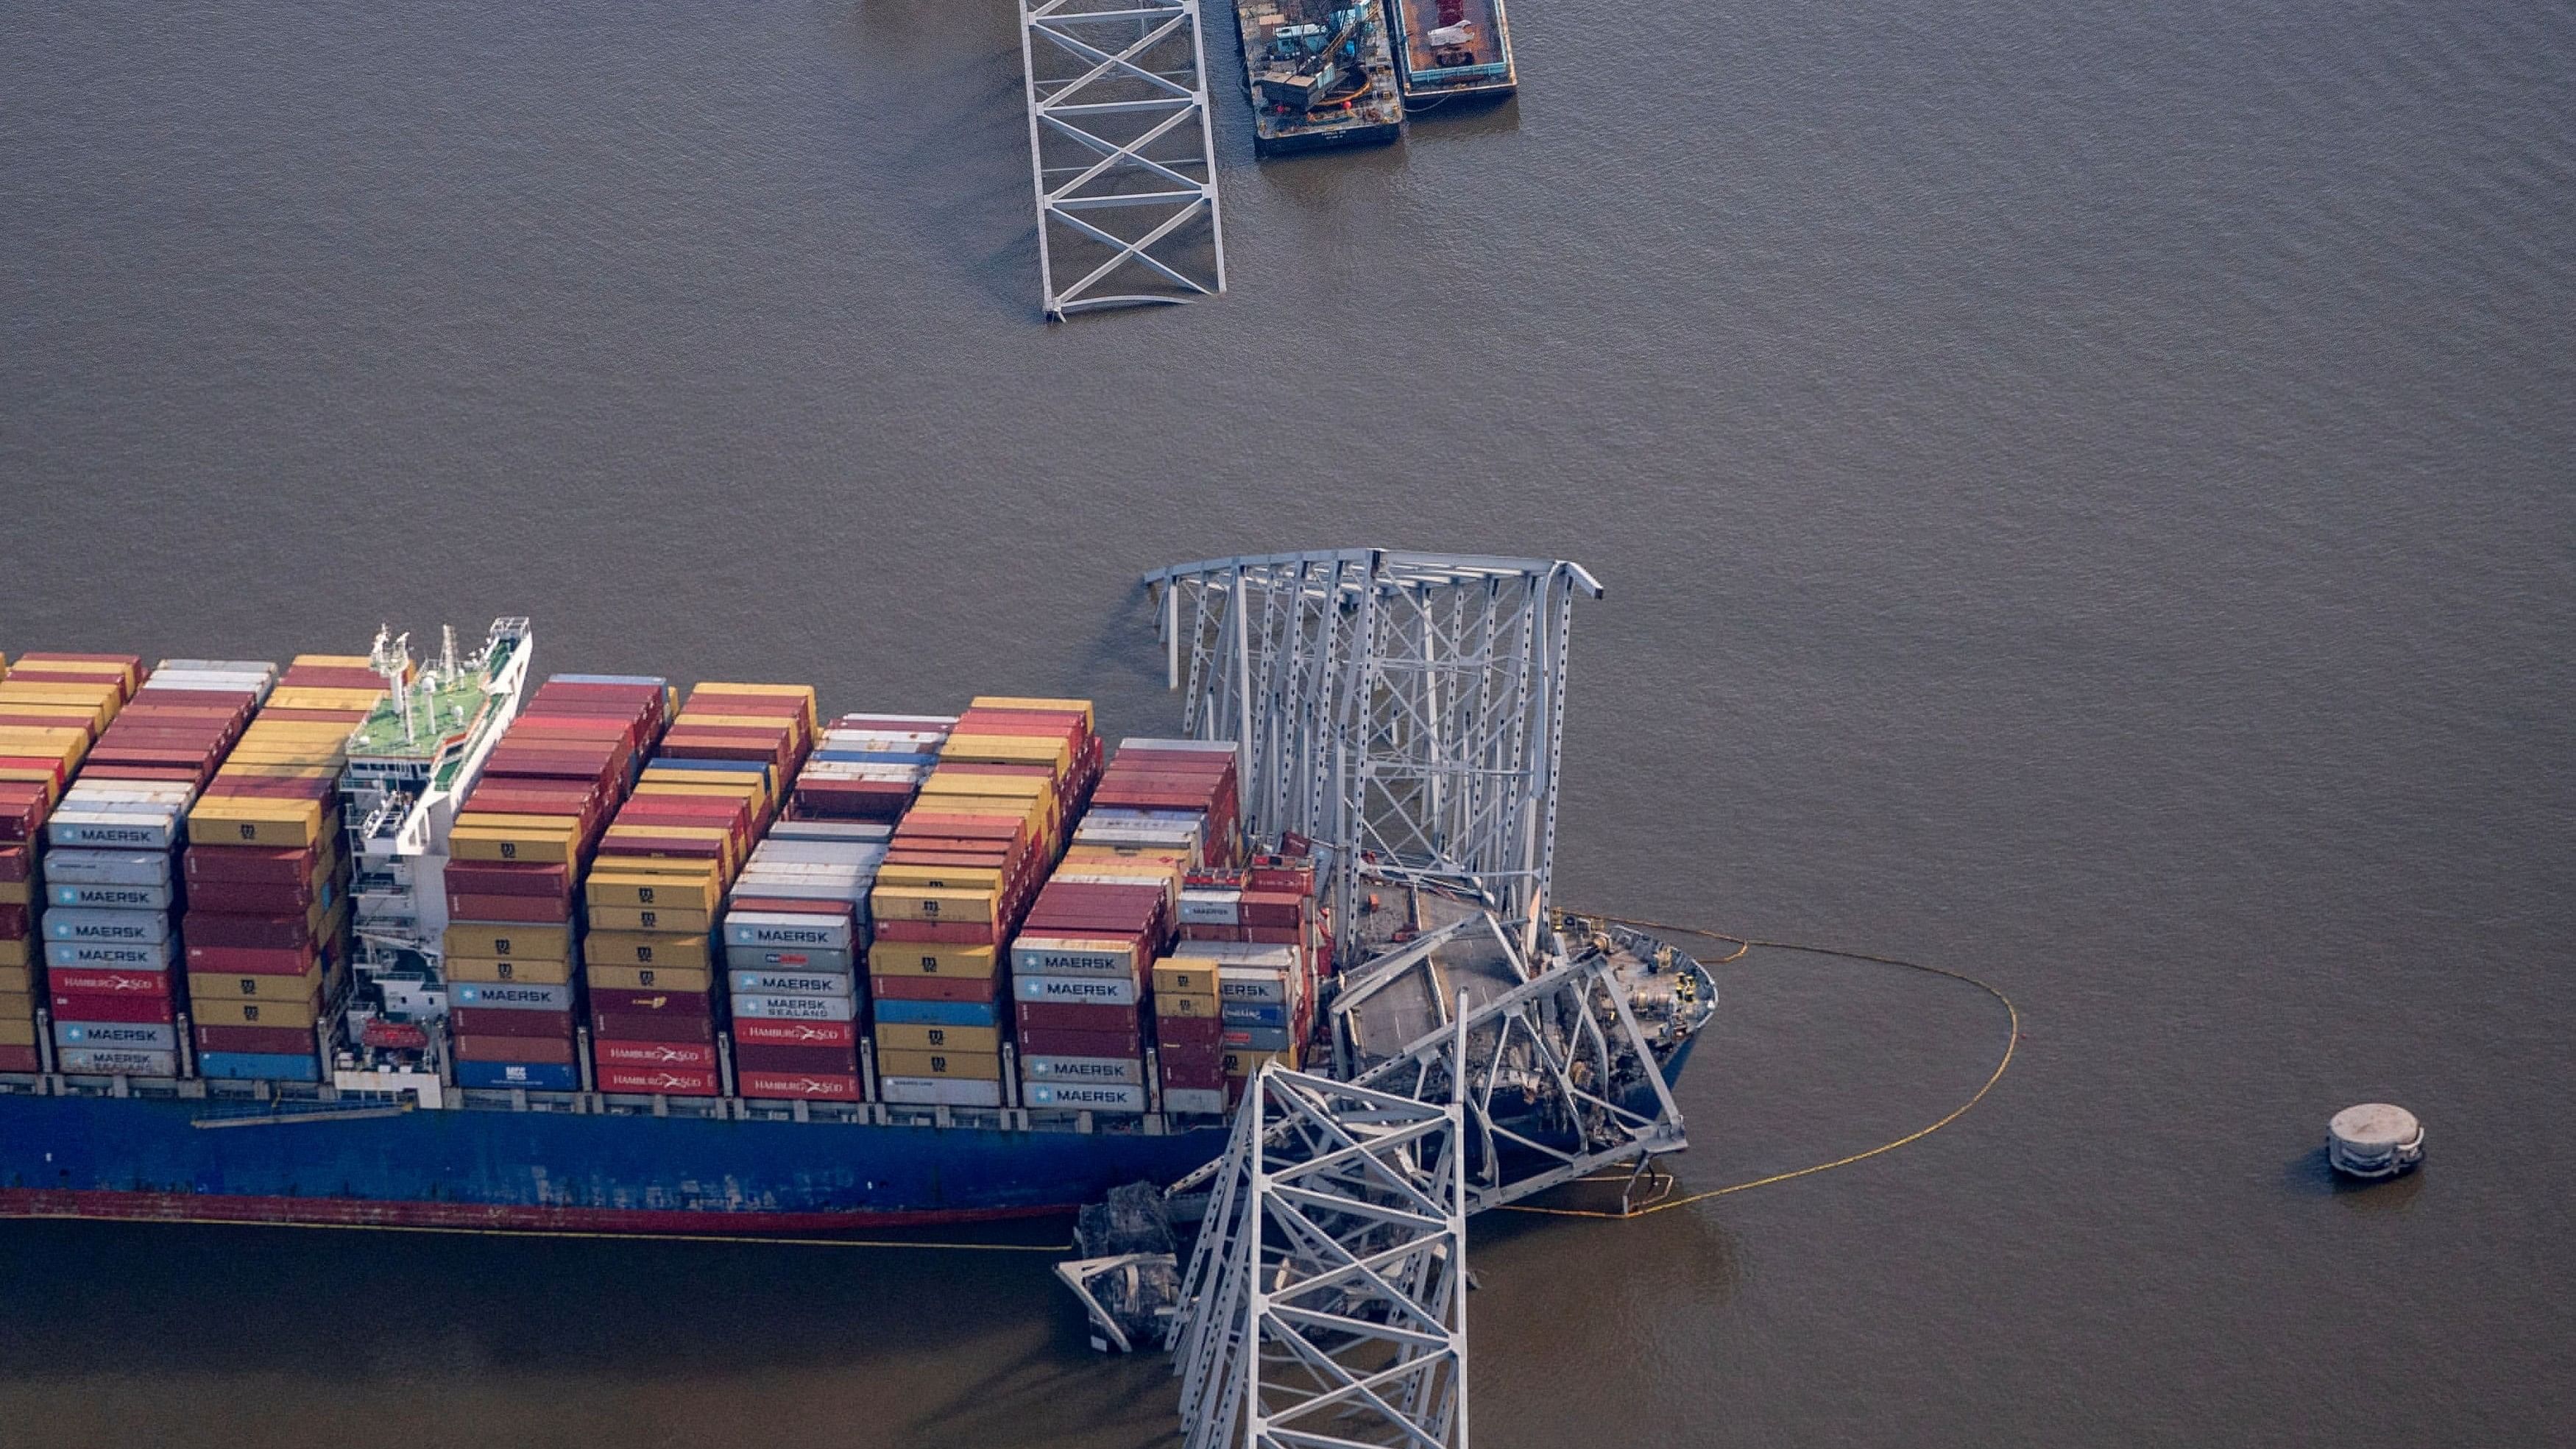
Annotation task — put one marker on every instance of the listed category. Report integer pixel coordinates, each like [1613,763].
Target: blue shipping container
[543,1076]
[939,1013]
[259,1066]
[1255,1013]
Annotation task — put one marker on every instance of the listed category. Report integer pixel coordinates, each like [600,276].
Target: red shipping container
[553,1051]
[18,1059]
[757,1057]
[1046,1042]
[246,898]
[1209,1057]
[659,1081]
[606,1027]
[251,864]
[1189,1031]
[13,862]
[22,809]
[530,909]
[91,982]
[488,878]
[955,933]
[809,1086]
[14,923]
[1073,1016]
[268,1040]
[252,960]
[936,988]
[1273,935]
[216,928]
[618,1001]
[70,1007]
[842,1034]
[491,1021]
[653,1054]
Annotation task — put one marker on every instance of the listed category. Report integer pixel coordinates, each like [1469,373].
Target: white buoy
[2374,1140]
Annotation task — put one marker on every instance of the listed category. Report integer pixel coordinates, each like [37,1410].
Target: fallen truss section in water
[1403,710]
[1330,1277]
[1122,153]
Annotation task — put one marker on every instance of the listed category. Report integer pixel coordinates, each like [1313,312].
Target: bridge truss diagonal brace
[1404,710]
[1122,153]
[1326,1300]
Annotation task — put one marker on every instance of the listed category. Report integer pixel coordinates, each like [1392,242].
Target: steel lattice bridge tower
[1404,711]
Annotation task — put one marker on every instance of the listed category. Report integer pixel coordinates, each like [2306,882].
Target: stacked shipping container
[965,861]
[53,708]
[793,932]
[869,767]
[663,868]
[521,840]
[266,931]
[165,744]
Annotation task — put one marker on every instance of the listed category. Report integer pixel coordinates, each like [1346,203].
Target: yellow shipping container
[17,1006]
[932,958]
[961,1066]
[1055,754]
[650,978]
[1189,1006]
[469,842]
[1245,1064]
[940,877]
[697,888]
[643,948]
[244,820]
[215,986]
[16,892]
[257,1013]
[90,714]
[908,1037]
[316,696]
[922,903]
[509,940]
[15,1032]
[522,973]
[1185,975]
[652,918]
[13,953]
[16,980]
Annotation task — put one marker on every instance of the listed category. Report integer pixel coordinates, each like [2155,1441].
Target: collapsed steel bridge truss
[1122,153]
[1403,710]
[1330,1276]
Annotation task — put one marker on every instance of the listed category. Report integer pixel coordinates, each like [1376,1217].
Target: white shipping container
[108,867]
[102,896]
[107,927]
[796,1008]
[938,1092]
[1209,1101]
[1076,990]
[1082,1069]
[111,1061]
[1085,1097]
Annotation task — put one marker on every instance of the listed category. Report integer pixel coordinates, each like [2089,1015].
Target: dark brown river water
[2085,492]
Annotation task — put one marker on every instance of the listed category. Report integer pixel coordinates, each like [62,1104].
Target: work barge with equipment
[365,941]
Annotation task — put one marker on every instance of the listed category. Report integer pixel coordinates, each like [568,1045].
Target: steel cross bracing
[1403,710]
[1122,153]
[1328,1291]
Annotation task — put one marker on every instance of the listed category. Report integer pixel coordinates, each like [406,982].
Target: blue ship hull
[149,1158]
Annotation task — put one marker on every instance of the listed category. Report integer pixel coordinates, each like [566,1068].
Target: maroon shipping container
[532,909]
[790,1086]
[1210,1057]
[758,1057]
[250,898]
[23,805]
[614,1001]
[18,1059]
[490,1021]
[251,865]
[69,1006]
[937,988]
[79,981]
[14,862]
[1046,1042]
[217,928]
[659,1081]
[955,933]
[1074,1016]
[665,1027]
[652,1054]
[13,923]
[1189,1031]
[842,1034]
[268,1040]
[252,960]
[488,878]
[554,1051]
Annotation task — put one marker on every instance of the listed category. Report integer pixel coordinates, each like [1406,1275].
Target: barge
[1450,48]
[1321,74]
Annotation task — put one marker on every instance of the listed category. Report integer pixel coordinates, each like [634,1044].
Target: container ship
[1446,48]
[365,941]
[1320,73]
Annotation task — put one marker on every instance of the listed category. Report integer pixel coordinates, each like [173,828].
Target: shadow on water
[2309,1175]
[1078,1394]
[1466,116]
